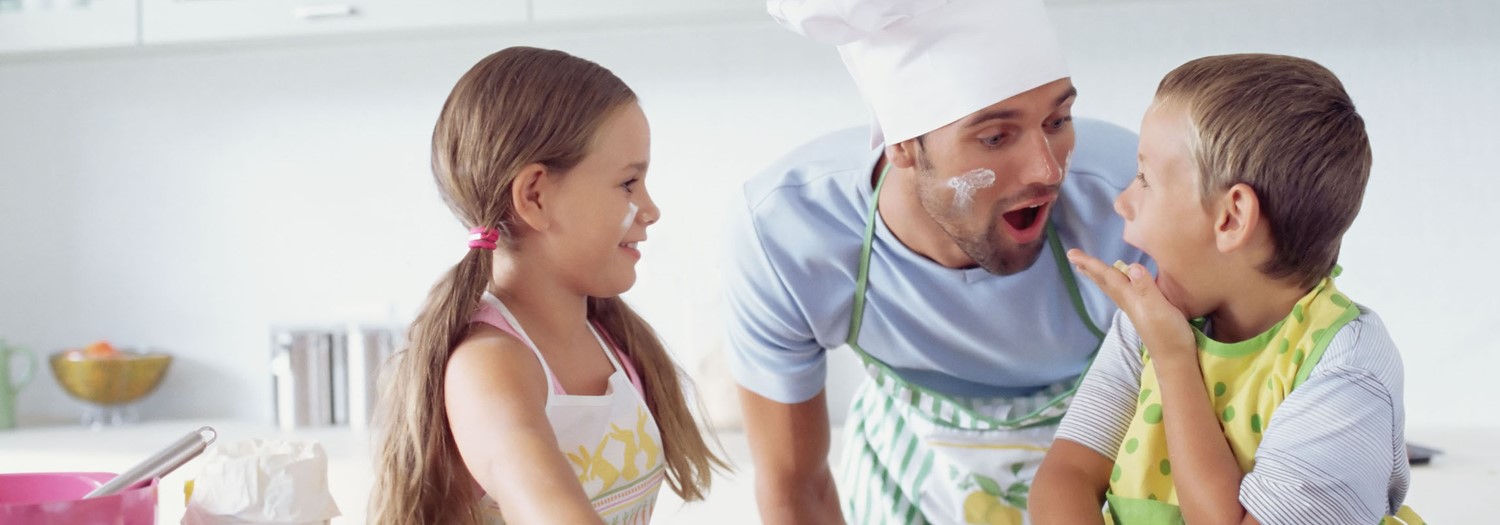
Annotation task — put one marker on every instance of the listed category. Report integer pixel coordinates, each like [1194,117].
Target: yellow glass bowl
[112,380]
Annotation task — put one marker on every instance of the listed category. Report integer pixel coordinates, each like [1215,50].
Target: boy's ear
[902,154]
[1238,218]
[526,195]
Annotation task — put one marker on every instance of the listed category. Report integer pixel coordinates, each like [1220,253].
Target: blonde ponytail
[419,476]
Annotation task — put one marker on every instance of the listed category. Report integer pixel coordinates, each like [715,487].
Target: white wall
[188,198]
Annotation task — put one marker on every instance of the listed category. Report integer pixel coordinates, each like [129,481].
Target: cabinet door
[54,25]
[178,21]
[562,10]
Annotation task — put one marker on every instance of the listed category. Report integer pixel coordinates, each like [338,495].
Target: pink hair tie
[483,238]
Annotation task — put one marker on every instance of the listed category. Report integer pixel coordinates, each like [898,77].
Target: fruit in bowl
[104,375]
[94,350]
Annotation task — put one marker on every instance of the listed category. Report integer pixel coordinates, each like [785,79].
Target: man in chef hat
[930,245]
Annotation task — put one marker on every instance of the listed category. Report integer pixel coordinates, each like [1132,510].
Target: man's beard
[988,248]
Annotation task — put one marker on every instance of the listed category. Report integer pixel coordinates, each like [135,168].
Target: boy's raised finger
[1140,280]
[1112,281]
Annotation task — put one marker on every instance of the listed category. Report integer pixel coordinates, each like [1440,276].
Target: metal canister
[303,369]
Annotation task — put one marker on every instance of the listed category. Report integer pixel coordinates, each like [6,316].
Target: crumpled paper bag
[262,482]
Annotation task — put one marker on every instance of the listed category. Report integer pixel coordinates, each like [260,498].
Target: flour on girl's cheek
[629,218]
[964,186]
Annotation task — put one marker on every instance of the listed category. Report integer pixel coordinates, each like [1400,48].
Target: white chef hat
[923,64]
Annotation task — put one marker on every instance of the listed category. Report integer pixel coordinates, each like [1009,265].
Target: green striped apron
[913,455]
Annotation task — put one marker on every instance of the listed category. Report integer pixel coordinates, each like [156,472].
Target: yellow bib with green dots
[1247,380]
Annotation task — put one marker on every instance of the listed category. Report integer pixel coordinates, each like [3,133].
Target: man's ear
[903,154]
[1238,218]
[526,195]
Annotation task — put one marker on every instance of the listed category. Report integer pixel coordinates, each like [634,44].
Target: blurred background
[190,176]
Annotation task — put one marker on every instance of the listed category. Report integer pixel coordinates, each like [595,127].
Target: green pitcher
[10,386]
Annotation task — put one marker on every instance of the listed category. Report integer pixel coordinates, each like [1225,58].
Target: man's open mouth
[1024,218]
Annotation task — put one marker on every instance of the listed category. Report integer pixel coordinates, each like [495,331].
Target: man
[937,257]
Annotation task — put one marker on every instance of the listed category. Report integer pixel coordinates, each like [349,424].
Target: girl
[530,390]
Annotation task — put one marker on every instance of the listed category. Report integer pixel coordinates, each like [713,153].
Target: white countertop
[116,449]
[1444,492]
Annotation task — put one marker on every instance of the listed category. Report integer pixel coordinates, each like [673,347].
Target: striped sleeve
[1100,413]
[1334,451]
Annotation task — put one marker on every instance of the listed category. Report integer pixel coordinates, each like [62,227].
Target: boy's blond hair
[1285,127]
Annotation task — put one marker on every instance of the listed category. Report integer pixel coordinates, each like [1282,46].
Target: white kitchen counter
[1450,490]
[115,449]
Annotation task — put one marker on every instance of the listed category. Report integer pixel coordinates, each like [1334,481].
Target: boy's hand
[1162,327]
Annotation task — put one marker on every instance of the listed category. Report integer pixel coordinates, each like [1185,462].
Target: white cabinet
[643,10]
[55,25]
[179,21]
[28,26]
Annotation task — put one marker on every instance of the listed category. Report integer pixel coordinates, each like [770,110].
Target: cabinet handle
[313,12]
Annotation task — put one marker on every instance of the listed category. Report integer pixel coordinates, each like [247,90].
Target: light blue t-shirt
[794,242]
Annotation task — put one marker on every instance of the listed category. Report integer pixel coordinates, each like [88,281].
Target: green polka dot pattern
[1231,373]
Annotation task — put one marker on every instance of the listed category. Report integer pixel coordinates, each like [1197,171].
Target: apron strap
[857,317]
[1315,354]
[1066,271]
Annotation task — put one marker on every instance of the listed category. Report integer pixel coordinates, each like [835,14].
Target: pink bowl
[54,498]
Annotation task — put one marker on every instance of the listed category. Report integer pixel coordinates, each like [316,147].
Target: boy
[1281,402]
